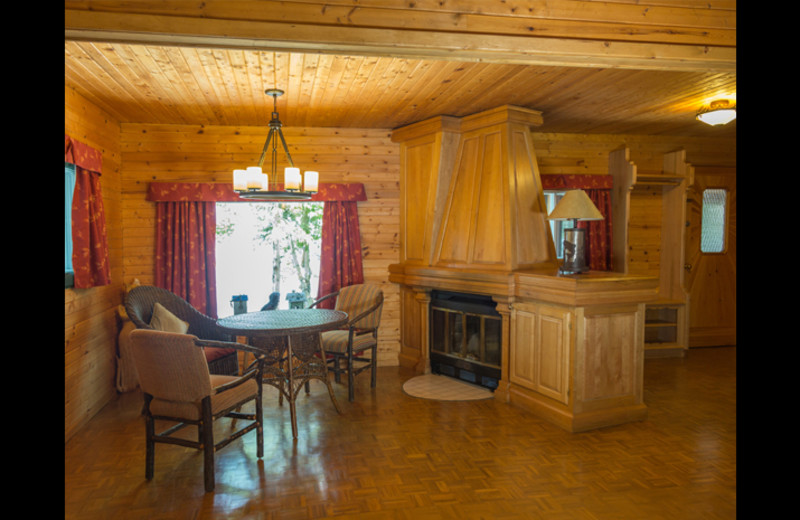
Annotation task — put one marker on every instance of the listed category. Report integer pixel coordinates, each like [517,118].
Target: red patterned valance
[577,182]
[223,192]
[83,155]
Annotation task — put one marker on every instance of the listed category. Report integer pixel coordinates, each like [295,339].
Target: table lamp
[575,205]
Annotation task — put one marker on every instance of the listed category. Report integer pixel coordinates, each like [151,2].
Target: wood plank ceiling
[165,82]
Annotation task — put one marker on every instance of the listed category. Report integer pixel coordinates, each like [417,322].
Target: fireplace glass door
[465,341]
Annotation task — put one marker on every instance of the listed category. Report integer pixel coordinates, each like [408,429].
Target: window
[69,189]
[551,198]
[713,223]
[265,247]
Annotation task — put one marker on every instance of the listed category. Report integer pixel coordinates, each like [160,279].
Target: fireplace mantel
[473,220]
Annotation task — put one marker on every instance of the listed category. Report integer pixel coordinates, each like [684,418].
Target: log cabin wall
[90,322]
[691,35]
[135,154]
[191,153]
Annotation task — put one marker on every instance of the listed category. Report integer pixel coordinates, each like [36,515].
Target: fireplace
[465,337]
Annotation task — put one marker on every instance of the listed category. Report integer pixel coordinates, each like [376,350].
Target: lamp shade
[575,205]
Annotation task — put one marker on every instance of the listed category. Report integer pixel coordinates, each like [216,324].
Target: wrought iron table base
[290,362]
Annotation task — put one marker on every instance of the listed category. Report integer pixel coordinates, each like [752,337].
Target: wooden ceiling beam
[198,31]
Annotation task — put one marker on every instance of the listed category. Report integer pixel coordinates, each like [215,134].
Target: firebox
[465,337]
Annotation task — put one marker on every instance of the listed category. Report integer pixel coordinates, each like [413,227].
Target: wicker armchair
[177,387]
[363,304]
[140,303]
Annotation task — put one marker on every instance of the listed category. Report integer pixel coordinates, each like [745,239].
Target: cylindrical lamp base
[574,252]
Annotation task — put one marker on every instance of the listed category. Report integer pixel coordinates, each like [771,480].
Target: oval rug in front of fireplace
[444,388]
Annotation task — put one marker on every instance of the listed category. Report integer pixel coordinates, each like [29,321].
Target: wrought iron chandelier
[253,183]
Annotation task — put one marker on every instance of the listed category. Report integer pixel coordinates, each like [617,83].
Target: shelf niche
[666,326]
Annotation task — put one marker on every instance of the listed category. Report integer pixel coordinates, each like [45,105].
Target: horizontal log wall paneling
[140,153]
[191,153]
[90,322]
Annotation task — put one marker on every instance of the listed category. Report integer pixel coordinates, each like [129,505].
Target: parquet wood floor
[391,456]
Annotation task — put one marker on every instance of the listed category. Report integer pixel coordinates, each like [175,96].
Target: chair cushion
[336,341]
[219,402]
[215,353]
[165,321]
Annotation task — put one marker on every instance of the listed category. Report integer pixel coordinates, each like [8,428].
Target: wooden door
[711,266]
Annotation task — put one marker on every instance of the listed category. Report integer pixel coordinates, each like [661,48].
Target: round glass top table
[290,343]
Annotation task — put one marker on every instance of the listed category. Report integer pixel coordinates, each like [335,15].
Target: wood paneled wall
[136,154]
[90,322]
[187,153]
[588,155]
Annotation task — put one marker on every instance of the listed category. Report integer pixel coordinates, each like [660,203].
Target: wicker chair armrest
[253,373]
[227,344]
[326,297]
[360,332]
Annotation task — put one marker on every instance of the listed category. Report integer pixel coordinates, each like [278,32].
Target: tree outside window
[265,247]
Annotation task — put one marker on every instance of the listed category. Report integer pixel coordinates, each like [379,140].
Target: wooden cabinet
[575,345]
[540,349]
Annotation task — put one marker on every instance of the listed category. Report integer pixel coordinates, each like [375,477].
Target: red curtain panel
[89,240]
[186,252]
[340,256]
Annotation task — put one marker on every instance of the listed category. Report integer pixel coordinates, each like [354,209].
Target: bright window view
[69,189]
[267,247]
[551,198]
[712,227]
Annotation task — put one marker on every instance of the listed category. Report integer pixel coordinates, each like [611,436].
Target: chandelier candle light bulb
[311,181]
[240,180]
[291,179]
[256,179]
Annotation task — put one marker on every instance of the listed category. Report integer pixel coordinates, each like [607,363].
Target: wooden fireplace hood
[472,206]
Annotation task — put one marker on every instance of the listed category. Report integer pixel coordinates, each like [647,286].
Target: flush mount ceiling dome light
[719,112]
[252,183]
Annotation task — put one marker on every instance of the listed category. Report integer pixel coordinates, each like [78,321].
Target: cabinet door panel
[552,353]
[521,364]
[540,351]
[612,356]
